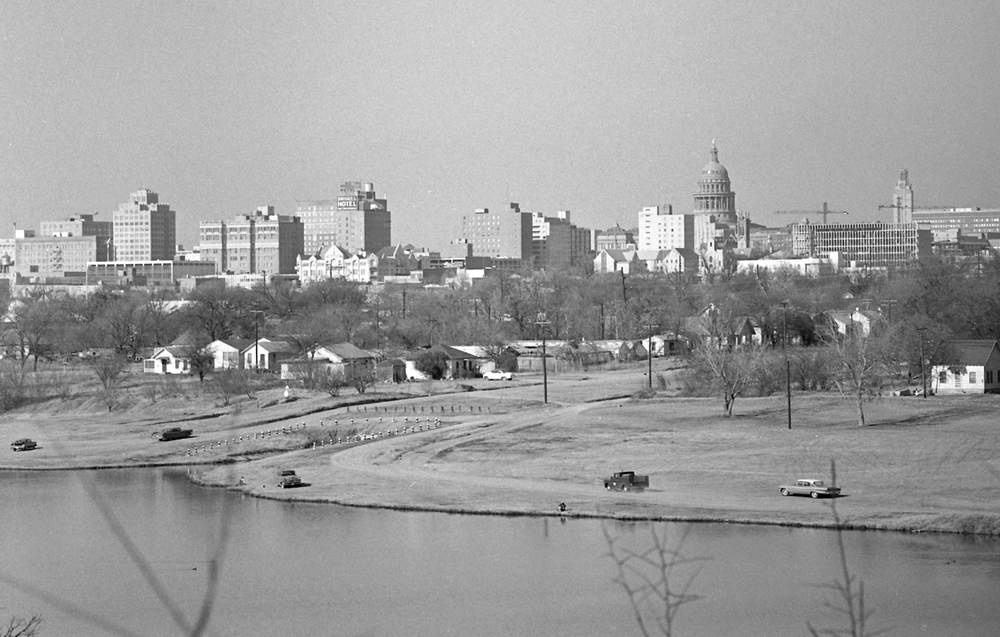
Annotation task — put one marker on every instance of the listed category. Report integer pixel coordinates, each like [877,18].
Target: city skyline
[601,110]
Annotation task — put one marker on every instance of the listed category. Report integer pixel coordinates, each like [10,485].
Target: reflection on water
[302,569]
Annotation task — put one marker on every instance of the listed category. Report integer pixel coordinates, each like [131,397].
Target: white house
[168,360]
[343,359]
[974,370]
[267,355]
[226,353]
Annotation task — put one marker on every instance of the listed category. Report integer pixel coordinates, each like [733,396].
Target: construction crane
[825,211]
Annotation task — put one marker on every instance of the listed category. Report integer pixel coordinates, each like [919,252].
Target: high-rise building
[356,220]
[942,221]
[902,199]
[661,229]
[503,236]
[556,242]
[144,229]
[259,243]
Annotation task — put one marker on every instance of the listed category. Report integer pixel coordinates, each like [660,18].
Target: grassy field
[921,464]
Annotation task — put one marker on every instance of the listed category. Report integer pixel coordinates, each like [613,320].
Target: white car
[498,374]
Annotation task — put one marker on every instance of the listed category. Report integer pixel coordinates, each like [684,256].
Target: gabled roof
[175,351]
[455,353]
[973,351]
[238,344]
[268,345]
[348,351]
[475,350]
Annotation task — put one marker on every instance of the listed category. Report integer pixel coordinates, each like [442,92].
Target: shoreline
[921,467]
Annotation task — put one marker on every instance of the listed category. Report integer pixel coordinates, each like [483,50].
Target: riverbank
[922,466]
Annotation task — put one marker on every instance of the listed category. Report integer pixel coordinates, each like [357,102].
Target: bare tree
[109,371]
[657,579]
[864,364]
[202,362]
[729,369]
[21,627]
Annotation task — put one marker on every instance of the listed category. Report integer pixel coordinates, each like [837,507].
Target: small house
[266,354]
[974,368]
[171,359]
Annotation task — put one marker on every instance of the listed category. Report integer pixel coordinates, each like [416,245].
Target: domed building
[715,196]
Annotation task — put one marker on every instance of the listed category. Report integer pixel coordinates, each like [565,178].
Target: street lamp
[788,365]
[542,322]
[923,377]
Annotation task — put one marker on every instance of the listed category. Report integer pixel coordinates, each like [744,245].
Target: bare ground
[922,464]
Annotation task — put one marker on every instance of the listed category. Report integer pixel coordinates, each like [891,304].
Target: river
[308,569]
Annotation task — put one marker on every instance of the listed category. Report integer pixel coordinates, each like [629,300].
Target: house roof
[475,350]
[173,350]
[238,344]
[973,351]
[348,351]
[268,345]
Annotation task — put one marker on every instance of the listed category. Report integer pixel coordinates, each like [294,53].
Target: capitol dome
[713,170]
[715,196]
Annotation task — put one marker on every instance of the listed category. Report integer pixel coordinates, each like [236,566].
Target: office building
[616,238]
[661,229]
[356,220]
[941,221]
[862,245]
[557,243]
[262,242]
[504,236]
[144,229]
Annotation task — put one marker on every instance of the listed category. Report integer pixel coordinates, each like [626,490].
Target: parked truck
[626,481]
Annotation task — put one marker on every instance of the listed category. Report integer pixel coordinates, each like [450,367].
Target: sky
[595,107]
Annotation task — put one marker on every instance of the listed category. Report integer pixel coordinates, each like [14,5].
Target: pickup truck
[810,487]
[24,444]
[626,481]
[287,479]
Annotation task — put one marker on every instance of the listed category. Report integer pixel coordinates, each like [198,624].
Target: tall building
[556,242]
[661,229]
[942,221]
[902,199]
[504,236]
[356,220]
[144,229]
[259,243]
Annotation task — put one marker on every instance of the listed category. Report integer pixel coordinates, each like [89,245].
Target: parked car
[810,487]
[175,433]
[24,444]
[287,479]
[498,374]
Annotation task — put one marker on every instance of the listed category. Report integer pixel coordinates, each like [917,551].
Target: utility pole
[649,352]
[543,323]
[923,378]
[788,365]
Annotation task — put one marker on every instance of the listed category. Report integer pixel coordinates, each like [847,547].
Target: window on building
[972,378]
[942,377]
